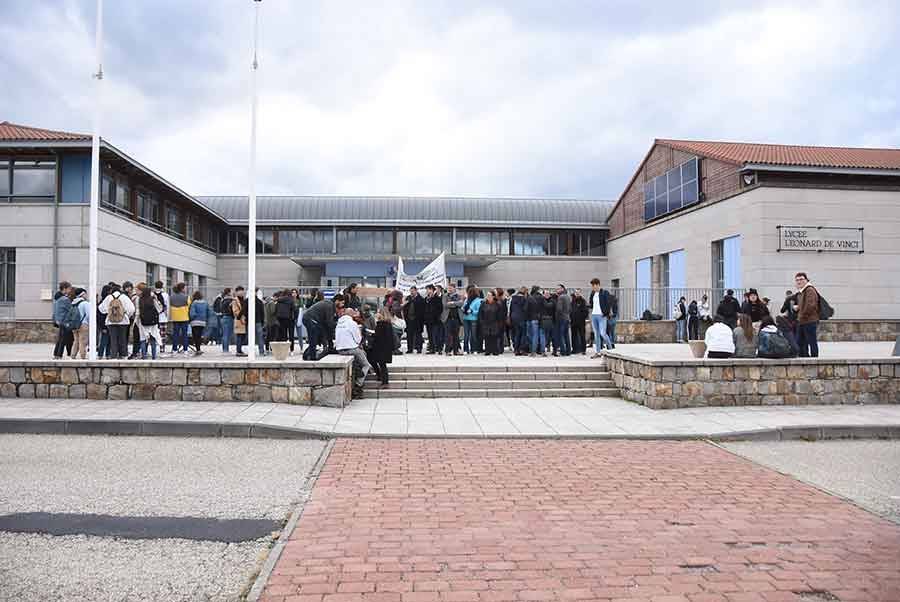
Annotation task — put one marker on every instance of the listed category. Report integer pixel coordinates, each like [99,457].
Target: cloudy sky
[514,97]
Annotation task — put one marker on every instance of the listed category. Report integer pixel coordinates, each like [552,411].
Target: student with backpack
[808,315]
[118,309]
[772,342]
[163,298]
[227,319]
[147,318]
[78,323]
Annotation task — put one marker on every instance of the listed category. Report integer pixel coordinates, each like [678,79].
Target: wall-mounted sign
[820,239]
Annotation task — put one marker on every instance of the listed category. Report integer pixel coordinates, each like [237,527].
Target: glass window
[147,207]
[34,180]
[689,193]
[484,242]
[122,194]
[192,227]
[531,243]
[265,242]
[212,239]
[150,275]
[173,221]
[7,275]
[424,242]
[305,242]
[170,278]
[107,190]
[662,205]
[201,285]
[4,177]
[365,242]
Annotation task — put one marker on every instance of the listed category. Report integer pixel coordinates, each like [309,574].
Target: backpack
[774,345]
[676,311]
[650,316]
[149,310]
[692,310]
[160,302]
[115,310]
[217,305]
[72,321]
[825,309]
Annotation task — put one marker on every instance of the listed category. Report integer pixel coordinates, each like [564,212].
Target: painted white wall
[513,272]
[863,285]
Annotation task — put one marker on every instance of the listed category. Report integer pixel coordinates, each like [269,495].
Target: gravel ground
[142,476]
[153,476]
[867,472]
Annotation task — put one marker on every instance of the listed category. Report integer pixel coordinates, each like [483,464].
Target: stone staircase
[497,381]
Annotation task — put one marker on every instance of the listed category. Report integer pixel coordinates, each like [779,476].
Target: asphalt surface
[142,518]
[866,472]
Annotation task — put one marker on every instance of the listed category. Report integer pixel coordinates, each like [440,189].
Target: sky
[426,97]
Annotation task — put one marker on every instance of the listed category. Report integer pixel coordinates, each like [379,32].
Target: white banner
[434,273]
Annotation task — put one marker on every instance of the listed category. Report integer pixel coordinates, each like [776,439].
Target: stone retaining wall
[735,382]
[326,382]
[663,331]
[27,331]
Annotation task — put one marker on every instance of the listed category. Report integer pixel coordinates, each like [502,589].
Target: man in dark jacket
[61,304]
[563,315]
[754,307]
[452,319]
[260,318]
[319,321]
[517,320]
[729,309]
[533,307]
[579,317]
[414,315]
[807,316]
[433,308]
[286,314]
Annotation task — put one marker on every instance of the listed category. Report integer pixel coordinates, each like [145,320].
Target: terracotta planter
[280,350]
[698,348]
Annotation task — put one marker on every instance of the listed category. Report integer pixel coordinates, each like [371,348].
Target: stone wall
[734,382]
[663,331]
[27,331]
[326,382]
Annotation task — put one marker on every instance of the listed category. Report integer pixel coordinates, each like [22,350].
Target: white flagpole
[251,217]
[95,189]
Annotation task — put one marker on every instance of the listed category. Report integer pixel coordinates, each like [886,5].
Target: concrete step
[494,384]
[585,367]
[504,376]
[498,393]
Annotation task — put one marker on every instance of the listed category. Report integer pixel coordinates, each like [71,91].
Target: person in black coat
[491,319]
[728,309]
[286,314]
[579,321]
[382,349]
[754,307]
[434,306]
[548,323]
[414,315]
[518,322]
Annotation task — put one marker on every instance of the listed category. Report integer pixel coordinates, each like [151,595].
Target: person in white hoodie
[118,309]
[347,341]
[719,340]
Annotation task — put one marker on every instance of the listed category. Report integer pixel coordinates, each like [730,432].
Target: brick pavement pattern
[636,521]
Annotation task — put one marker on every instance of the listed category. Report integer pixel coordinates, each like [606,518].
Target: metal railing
[661,301]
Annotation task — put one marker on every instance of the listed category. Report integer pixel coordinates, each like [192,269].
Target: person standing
[489,318]
[147,318]
[226,321]
[728,309]
[61,305]
[807,316]
[239,310]
[80,331]
[680,315]
[612,319]
[352,297]
[470,310]
[271,321]
[719,340]
[414,315]
[102,331]
[381,351]
[179,316]
[199,315]
[163,297]
[563,317]
[517,321]
[134,332]
[705,310]
[548,323]
[599,304]
[286,314]
[533,309]
[452,320]
[432,318]
[118,309]
[693,320]
[579,320]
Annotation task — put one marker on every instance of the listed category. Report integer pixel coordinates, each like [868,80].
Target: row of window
[7,275]
[418,242]
[677,188]
[24,180]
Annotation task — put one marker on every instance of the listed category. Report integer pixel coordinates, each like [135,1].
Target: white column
[251,214]
[95,188]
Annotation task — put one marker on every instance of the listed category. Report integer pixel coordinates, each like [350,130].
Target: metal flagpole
[95,189]
[251,217]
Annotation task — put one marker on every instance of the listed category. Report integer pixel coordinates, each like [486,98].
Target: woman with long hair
[745,339]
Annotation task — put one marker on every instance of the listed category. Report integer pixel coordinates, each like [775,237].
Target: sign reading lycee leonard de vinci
[820,239]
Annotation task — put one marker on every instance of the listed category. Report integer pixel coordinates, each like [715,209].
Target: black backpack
[825,309]
[774,345]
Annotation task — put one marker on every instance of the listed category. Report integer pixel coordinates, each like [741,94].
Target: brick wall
[718,181]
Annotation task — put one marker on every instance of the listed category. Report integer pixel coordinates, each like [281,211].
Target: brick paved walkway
[439,520]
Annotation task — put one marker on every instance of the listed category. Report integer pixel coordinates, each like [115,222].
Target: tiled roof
[12,132]
[740,153]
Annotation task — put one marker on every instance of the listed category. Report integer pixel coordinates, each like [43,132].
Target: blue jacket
[199,311]
[83,310]
[474,306]
[61,309]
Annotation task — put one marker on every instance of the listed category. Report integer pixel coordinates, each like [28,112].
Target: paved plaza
[431,520]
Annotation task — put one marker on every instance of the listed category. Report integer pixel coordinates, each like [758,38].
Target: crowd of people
[748,329]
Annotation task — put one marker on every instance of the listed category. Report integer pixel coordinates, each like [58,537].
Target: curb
[259,584]
[50,426]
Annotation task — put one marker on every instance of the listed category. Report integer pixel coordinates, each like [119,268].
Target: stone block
[167,393]
[279,394]
[262,393]
[77,391]
[42,391]
[193,392]
[825,371]
[251,376]
[117,392]
[17,375]
[327,376]
[660,390]
[802,386]
[59,391]
[774,372]
[773,400]
[307,376]
[272,376]
[686,374]
[703,373]
[728,373]
[179,376]
[49,376]
[300,395]
[668,374]
[244,392]
[131,376]
[26,390]
[85,375]
[159,376]
[110,376]
[193,376]
[4,375]
[142,391]
[841,371]
[96,391]
[220,393]
[754,372]
[8,390]
[796,372]
[741,372]
[210,377]
[232,376]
